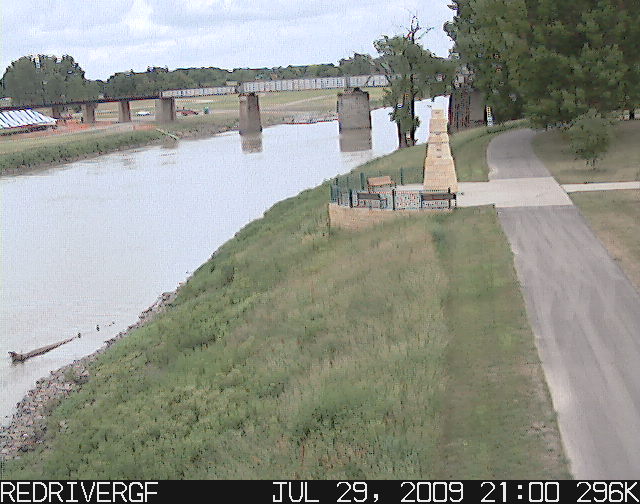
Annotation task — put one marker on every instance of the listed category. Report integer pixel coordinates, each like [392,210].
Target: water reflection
[251,143]
[355,140]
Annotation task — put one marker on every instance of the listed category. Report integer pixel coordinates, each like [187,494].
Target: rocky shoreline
[28,426]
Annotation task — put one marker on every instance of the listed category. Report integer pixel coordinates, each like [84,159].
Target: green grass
[11,144]
[469,150]
[499,419]
[614,216]
[410,160]
[34,153]
[620,164]
[300,351]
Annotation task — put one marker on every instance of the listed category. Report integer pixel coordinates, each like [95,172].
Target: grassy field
[614,216]
[469,149]
[621,163]
[300,351]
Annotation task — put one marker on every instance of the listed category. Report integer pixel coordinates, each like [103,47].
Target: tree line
[567,64]
[47,79]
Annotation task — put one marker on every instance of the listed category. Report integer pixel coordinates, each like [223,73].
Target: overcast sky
[106,36]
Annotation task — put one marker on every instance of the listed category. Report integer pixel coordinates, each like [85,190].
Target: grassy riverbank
[298,351]
[21,154]
[34,153]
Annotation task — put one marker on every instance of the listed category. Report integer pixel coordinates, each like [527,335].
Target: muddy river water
[93,243]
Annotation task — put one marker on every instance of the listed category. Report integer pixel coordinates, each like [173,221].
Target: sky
[108,36]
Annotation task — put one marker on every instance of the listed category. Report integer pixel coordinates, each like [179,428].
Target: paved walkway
[600,186]
[515,192]
[584,312]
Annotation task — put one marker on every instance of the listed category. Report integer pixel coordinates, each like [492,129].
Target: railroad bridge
[352,105]
[166,109]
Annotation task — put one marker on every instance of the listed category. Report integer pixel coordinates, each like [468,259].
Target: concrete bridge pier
[165,110]
[355,140]
[124,111]
[353,110]
[249,114]
[56,111]
[89,113]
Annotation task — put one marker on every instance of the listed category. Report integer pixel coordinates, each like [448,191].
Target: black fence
[394,199]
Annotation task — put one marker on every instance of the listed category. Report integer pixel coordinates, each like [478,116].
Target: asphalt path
[585,314]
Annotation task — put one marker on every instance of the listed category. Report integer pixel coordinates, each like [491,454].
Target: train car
[268,86]
[188,93]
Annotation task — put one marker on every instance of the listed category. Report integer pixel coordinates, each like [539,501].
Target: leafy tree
[46,79]
[489,41]
[554,61]
[358,64]
[590,137]
[414,73]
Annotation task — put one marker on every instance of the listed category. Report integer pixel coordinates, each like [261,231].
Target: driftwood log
[21,357]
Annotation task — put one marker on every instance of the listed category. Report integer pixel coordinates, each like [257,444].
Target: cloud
[106,36]
[140,23]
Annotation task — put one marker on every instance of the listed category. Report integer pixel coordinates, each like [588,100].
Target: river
[93,243]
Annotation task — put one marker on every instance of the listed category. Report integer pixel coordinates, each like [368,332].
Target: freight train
[265,86]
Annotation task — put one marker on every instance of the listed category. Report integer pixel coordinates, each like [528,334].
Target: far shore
[81,148]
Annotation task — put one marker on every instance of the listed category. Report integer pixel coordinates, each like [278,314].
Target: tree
[358,64]
[46,79]
[489,42]
[553,61]
[414,73]
[590,137]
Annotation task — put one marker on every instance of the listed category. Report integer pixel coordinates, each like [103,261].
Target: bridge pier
[355,140]
[353,110]
[124,111]
[165,110]
[89,113]
[56,111]
[249,114]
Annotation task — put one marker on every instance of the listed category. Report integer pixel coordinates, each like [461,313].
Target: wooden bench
[374,183]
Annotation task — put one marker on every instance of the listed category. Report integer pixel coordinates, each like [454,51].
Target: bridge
[165,107]
[165,100]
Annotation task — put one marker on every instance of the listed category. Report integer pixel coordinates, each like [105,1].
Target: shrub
[590,137]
